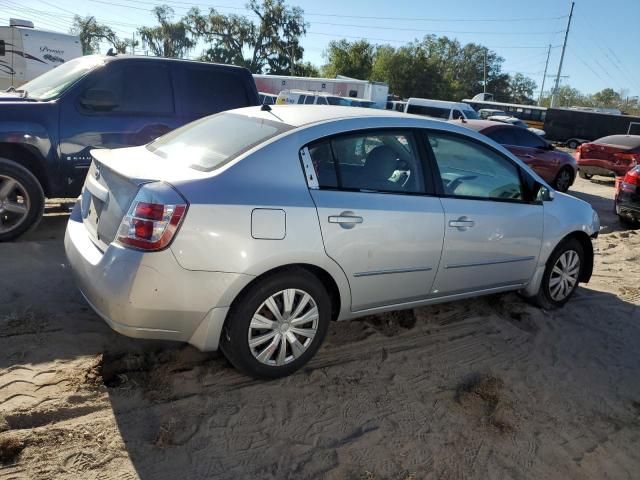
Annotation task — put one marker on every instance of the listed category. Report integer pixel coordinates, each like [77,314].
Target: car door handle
[346,219]
[462,223]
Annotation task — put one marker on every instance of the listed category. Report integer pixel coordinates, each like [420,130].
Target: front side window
[525,138]
[309,100]
[457,115]
[469,169]
[301,99]
[372,161]
[137,88]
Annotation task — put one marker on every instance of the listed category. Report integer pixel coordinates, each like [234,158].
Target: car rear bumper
[628,205]
[149,295]
[602,171]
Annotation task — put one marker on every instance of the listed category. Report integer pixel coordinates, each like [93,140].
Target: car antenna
[267,108]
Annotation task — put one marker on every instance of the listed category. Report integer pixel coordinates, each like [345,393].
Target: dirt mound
[482,395]
[10,448]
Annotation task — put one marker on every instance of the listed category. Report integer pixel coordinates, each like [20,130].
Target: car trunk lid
[112,182]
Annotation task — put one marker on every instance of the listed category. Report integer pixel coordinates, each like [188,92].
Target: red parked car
[556,167]
[611,156]
[627,199]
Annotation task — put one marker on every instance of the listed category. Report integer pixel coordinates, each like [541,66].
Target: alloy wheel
[14,203]
[563,182]
[564,276]
[283,327]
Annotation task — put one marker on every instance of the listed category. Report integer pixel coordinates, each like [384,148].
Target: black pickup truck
[49,125]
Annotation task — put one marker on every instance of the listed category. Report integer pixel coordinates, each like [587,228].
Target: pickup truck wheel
[21,200]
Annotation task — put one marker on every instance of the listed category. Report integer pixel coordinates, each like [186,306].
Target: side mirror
[549,146]
[536,191]
[99,100]
[544,194]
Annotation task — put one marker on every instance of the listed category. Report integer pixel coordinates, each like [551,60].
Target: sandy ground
[487,388]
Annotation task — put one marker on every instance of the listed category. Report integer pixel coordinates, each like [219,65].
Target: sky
[602,48]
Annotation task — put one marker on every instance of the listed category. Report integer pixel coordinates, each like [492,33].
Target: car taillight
[153,218]
[632,159]
[631,178]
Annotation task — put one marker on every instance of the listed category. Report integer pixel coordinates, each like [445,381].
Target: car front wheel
[563,180]
[561,275]
[277,325]
[21,200]
[584,175]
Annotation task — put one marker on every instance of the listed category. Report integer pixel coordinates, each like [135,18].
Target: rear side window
[468,169]
[212,90]
[373,161]
[309,100]
[210,142]
[2,48]
[525,138]
[435,112]
[138,88]
[301,99]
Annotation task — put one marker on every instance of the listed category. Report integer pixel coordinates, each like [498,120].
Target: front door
[377,221]
[142,109]
[492,234]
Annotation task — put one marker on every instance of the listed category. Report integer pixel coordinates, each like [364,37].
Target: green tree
[567,97]
[306,69]
[350,59]
[271,43]
[607,98]
[168,39]
[92,33]
[521,89]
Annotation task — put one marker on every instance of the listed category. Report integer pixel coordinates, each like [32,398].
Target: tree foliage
[521,89]
[353,59]
[92,33]
[169,38]
[270,44]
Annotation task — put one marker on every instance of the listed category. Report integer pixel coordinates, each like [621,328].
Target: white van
[304,97]
[26,52]
[439,109]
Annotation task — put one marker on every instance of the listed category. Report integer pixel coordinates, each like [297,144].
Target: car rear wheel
[21,200]
[561,275]
[277,325]
[584,175]
[563,180]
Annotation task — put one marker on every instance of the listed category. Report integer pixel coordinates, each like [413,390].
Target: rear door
[378,221]
[492,235]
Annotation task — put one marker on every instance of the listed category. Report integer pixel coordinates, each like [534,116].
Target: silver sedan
[251,230]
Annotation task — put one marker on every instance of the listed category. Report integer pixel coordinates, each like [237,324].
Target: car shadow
[609,221]
[197,417]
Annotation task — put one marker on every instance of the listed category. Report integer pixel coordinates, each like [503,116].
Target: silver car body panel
[393,259]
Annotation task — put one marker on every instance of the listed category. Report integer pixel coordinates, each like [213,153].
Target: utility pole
[544,77]
[554,96]
[133,43]
[291,59]
[485,72]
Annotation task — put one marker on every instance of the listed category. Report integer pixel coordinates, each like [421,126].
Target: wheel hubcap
[563,180]
[564,276]
[283,327]
[14,203]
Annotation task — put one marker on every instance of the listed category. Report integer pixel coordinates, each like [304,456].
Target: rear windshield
[629,141]
[210,142]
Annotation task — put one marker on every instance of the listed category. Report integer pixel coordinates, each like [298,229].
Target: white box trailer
[26,52]
[341,86]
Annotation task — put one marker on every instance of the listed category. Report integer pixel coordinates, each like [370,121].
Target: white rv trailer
[341,86]
[26,52]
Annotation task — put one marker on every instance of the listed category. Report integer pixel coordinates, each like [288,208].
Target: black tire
[235,336]
[573,144]
[32,196]
[544,298]
[559,182]
[586,176]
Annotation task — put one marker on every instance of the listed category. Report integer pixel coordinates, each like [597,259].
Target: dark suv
[49,125]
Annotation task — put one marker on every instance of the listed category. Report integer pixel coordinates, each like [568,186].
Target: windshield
[53,83]
[208,143]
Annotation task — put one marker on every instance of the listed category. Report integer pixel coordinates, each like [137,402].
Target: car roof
[301,115]
[146,58]
[481,125]
[427,102]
